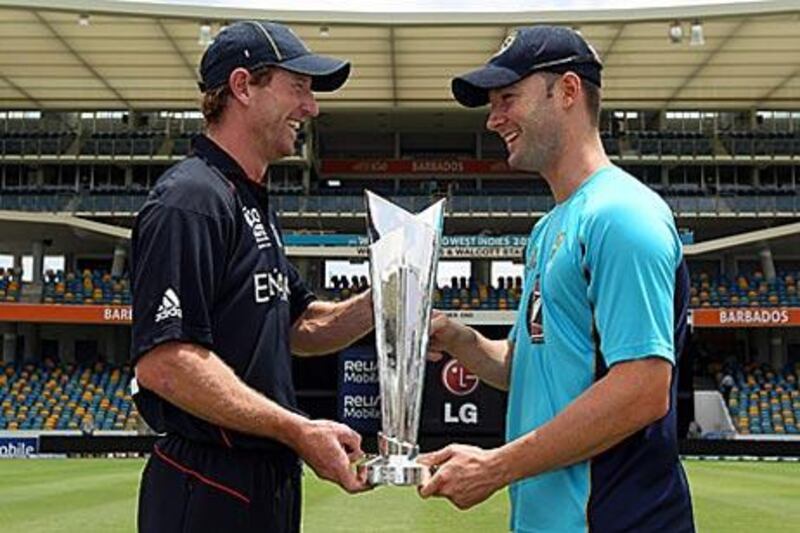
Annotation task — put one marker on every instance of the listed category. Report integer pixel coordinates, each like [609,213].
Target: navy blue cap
[255,44]
[525,51]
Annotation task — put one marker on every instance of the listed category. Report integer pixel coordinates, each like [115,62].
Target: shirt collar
[213,154]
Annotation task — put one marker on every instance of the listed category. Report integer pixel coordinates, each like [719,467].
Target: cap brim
[327,73]
[472,88]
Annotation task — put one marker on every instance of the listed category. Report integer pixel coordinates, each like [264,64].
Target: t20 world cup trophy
[403,254]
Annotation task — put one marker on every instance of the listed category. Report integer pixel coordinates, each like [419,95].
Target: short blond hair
[215,101]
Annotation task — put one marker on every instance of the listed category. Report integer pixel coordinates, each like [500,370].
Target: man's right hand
[330,448]
[444,335]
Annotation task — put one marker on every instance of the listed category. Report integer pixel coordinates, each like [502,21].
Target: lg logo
[460,382]
[457,379]
[466,414]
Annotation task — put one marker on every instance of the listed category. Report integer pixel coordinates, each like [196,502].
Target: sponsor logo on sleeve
[170,306]
[253,219]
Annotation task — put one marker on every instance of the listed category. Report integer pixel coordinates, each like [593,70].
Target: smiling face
[526,117]
[277,112]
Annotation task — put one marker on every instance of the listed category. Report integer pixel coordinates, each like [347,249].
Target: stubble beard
[539,152]
[542,138]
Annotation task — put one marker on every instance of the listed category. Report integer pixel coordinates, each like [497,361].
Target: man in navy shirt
[218,309]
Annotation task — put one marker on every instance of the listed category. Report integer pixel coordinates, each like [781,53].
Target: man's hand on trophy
[445,334]
[330,449]
[465,475]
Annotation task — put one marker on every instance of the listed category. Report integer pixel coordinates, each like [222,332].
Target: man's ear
[239,84]
[571,85]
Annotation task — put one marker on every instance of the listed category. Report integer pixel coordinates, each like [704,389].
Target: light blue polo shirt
[599,289]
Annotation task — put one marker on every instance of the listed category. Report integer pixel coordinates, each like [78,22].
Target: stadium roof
[62,233]
[143,54]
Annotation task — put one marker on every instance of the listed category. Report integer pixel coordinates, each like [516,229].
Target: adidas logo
[170,306]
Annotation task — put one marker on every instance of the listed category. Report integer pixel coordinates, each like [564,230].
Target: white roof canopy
[143,55]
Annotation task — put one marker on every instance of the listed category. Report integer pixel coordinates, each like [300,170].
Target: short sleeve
[178,257]
[632,253]
[300,295]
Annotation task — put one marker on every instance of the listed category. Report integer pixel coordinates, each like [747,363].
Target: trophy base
[397,470]
[395,465]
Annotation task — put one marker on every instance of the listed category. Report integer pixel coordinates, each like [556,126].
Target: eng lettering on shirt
[270,285]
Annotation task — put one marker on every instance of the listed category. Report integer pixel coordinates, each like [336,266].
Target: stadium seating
[610,142]
[468,294]
[634,142]
[10,286]
[182,143]
[343,288]
[670,143]
[35,142]
[460,294]
[764,401]
[124,143]
[707,291]
[745,290]
[89,287]
[760,143]
[66,397]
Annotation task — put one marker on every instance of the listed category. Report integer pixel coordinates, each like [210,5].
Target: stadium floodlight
[204,38]
[675,32]
[697,38]
[83,19]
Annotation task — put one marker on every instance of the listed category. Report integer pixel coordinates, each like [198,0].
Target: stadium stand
[90,287]
[60,397]
[123,143]
[182,143]
[461,294]
[35,142]
[757,143]
[651,142]
[10,285]
[752,290]
[669,143]
[763,401]
[741,160]
[468,294]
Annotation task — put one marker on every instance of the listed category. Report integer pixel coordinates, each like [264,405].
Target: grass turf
[99,495]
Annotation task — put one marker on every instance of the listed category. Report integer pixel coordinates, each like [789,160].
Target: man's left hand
[465,475]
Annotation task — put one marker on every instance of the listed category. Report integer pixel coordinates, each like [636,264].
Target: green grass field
[99,495]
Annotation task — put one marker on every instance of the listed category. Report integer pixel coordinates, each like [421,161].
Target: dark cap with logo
[255,44]
[525,51]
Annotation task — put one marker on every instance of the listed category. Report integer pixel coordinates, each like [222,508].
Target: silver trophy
[403,252]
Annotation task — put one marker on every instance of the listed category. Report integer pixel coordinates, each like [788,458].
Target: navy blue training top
[208,267]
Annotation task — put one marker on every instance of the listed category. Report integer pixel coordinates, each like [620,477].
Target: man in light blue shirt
[590,364]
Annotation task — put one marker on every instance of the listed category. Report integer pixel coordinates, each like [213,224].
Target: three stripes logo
[170,306]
